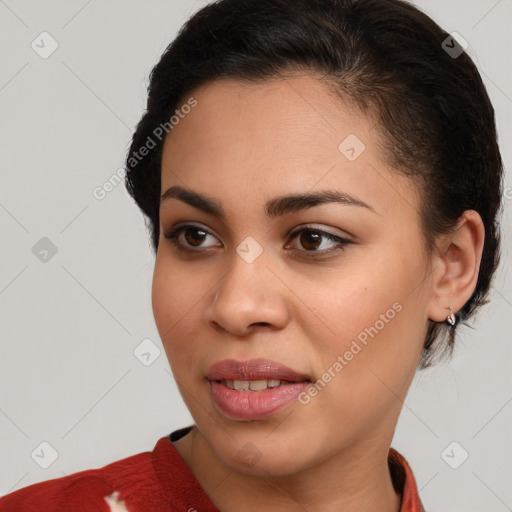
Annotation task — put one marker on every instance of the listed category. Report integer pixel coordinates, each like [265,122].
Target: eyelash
[173,236]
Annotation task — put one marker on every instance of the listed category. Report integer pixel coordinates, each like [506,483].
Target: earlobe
[456,267]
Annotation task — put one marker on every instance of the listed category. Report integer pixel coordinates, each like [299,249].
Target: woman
[323,182]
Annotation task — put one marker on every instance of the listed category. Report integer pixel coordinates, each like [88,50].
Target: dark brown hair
[388,57]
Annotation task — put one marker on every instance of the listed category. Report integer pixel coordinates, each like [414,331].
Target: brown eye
[317,242]
[194,237]
[310,239]
[190,238]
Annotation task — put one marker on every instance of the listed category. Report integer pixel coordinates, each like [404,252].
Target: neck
[357,480]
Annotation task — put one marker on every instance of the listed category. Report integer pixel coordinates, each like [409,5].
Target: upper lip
[253,369]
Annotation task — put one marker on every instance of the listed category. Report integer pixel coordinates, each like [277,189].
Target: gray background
[70,325]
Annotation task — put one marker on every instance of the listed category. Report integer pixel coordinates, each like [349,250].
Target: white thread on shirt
[114,504]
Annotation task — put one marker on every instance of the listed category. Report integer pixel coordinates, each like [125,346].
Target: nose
[248,297]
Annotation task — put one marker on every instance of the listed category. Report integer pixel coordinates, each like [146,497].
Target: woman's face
[274,283]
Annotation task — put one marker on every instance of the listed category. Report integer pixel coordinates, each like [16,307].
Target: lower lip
[254,405]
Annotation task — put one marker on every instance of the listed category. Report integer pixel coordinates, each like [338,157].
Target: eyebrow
[274,208]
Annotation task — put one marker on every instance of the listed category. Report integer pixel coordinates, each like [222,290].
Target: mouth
[254,372]
[253,385]
[254,389]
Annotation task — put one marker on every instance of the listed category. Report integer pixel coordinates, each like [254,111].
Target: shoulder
[101,489]
[74,492]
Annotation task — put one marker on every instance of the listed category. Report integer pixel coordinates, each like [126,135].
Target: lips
[253,369]
[254,389]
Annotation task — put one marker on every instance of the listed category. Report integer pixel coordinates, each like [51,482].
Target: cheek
[376,304]
[350,302]
[164,298]
[170,312]
[176,301]
[380,334]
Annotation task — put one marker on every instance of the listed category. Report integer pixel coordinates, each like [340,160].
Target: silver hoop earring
[451,318]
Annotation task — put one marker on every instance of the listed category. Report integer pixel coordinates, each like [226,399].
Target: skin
[246,143]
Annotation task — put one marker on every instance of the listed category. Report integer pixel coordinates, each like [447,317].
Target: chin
[267,463]
[252,453]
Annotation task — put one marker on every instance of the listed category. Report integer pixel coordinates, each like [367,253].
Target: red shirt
[157,481]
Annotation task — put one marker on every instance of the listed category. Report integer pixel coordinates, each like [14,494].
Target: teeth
[252,385]
[258,385]
[241,385]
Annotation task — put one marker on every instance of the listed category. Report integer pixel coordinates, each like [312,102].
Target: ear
[456,265]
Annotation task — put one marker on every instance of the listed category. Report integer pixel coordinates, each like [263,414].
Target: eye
[190,238]
[318,241]
[187,238]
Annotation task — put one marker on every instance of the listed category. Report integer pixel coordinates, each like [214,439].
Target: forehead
[281,112]
[287,134]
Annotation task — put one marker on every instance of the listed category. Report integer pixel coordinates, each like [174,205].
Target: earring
[451,318]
